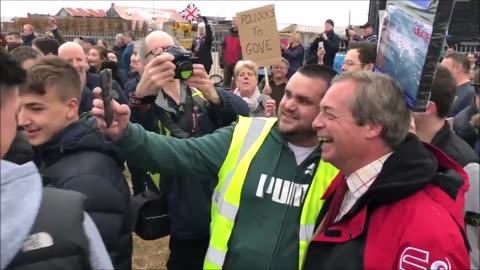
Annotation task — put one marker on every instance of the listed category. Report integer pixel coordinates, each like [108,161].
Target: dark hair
[129,34]
[47,45]
[13,45]
[11,74]
[460,59]
[102,52]
[315,71]
[53,71]
[443,91]
[367,51]
[24,53]
[103,42]
[14,33]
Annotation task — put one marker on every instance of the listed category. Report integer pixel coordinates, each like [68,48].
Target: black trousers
[187,254]
[228,76]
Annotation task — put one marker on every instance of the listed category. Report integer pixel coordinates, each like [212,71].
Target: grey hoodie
[21,195]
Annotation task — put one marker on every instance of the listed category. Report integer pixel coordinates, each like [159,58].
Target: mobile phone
[106,78]
[320,45]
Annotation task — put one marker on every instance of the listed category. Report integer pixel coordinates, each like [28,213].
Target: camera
[183,62]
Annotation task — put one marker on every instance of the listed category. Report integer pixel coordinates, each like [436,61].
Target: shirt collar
[273,83]
[359,181]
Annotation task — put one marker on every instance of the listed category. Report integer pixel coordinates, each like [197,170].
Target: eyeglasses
[351,63]
[156,51]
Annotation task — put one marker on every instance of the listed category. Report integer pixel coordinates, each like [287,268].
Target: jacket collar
[443,135]
[163,102]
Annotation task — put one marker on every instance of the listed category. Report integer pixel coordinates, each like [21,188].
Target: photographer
[184,108]
[329,41]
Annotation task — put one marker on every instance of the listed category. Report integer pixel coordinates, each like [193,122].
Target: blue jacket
[125,59]
[147,119]
[464,95]
[295,57]
[464,129]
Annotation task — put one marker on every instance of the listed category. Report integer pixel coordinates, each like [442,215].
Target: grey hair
[379,100]
[118,37]
[245,63]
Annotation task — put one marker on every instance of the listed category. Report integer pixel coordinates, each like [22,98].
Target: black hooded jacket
[27,40]
[20,152]
[80,158]
[331,45]
[118,74]
[93,81]
[454,146]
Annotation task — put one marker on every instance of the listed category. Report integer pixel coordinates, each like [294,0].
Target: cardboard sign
[259,36]
[410,44]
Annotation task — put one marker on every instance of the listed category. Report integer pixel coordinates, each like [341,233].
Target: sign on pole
[259,36]
[411,40]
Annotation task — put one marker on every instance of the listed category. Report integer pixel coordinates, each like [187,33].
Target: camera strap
[187,123]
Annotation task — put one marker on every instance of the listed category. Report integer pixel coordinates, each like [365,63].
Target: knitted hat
[329,21]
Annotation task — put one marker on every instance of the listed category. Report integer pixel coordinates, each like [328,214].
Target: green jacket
[265,235]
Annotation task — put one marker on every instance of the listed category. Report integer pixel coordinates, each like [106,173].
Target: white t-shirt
[301,153]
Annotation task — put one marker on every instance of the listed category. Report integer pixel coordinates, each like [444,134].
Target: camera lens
[184,70]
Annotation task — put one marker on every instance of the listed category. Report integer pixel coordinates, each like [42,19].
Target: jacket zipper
[286,214]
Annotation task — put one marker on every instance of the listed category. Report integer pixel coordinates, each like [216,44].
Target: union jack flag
[190,13]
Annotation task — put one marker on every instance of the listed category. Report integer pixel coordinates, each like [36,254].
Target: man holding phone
[321,53]
[331,44]
[183,109]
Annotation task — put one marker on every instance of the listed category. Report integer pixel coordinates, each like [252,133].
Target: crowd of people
[309,169]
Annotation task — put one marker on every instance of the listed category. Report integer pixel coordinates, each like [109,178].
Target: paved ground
[150,254]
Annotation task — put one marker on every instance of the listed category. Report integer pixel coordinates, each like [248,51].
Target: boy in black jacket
[72,154]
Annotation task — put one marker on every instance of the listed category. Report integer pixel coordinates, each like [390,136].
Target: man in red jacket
[230,53]
[397,203]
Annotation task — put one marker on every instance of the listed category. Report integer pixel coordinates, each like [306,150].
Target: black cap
[329,21]
[366,25]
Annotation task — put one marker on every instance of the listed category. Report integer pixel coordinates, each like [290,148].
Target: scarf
[253,101]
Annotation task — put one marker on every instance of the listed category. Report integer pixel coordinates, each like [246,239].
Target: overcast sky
[300,12]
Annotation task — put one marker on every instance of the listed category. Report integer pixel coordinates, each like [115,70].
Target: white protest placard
[259,36]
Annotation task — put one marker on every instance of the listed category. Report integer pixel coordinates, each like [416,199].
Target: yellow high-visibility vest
[248,136]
